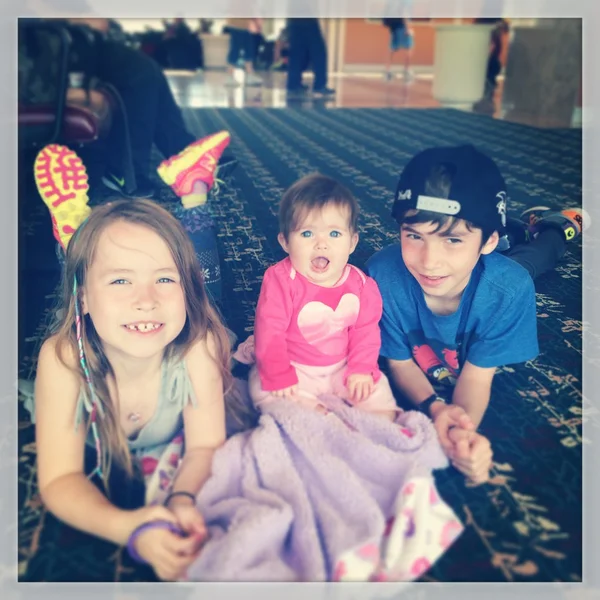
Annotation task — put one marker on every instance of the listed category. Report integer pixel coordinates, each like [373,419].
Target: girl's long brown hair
[201,319]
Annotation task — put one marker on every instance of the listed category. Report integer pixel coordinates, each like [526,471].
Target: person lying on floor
[138,355]
[316,329]
[458,293]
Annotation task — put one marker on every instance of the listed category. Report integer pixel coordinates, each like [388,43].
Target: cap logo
[438,205]
[501,206]
[405,195]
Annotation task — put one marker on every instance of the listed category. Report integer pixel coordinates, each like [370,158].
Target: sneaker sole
[62,182]
[526,215]
[170,169]
[583,221]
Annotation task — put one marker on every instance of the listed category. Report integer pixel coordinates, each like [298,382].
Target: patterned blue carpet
[525,525]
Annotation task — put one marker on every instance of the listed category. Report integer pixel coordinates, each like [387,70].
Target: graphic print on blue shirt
[436,359]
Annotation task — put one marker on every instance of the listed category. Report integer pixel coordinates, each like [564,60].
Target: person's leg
[170,133]
[235,48]
[191,175]
[297,55]
[541,254]
[390,57]
[388,65]
[493,70]
[548,232]
[318,55]
[137,78]
[250,49]
[306,394]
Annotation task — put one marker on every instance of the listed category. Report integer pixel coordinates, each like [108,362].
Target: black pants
[306,45]
[539,255]
[184,52]
[494,67]
[152,112]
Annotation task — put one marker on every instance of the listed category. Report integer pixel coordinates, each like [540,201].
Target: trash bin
[460,62]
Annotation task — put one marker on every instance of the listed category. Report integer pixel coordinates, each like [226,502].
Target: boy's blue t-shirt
[494,325]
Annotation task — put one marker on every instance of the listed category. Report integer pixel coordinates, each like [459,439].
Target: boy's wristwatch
[425,406]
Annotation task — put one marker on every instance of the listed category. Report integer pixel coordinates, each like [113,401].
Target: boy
[453,309]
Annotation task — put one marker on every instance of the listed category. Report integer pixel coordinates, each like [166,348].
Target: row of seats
[52,107]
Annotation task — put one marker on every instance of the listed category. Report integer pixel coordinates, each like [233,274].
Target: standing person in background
[242,39]
[183,46]
[401,38]
[307,43]
[494,65]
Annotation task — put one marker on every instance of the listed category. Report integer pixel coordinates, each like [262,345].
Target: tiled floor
[197,90]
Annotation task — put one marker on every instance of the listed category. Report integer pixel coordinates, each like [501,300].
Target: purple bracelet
[144,527]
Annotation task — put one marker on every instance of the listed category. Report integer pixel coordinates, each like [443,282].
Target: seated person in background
[152,113]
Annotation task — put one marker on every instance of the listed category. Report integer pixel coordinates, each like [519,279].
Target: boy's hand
[360,387]
[471,454]
[287,392]
[446,416]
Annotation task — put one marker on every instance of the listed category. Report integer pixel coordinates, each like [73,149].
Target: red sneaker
[62,182]
[197,162]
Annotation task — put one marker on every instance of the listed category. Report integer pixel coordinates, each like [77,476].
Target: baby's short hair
[312,192]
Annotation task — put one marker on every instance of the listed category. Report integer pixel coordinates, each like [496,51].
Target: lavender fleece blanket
[312,497]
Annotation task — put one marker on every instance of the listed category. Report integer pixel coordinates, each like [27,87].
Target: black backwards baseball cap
[477,192]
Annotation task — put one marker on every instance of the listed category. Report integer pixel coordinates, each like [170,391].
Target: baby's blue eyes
[308,234]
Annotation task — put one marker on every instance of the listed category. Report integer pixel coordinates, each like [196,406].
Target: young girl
[317,319]
[139,353]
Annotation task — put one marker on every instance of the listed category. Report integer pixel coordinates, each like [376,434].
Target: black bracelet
[425,406]
[181,493]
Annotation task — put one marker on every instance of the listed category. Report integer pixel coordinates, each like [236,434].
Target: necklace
[134,417]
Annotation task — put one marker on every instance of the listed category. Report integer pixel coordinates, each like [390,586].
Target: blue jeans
[306,46]
[240,40]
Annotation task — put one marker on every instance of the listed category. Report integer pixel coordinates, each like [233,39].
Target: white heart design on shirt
[325,328]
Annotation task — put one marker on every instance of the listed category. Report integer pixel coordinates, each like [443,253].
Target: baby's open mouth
[320,263]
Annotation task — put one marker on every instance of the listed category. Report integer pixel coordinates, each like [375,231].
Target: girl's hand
[190,520]
[168,553]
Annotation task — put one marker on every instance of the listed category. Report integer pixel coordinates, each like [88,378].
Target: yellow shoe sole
[62,183]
